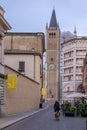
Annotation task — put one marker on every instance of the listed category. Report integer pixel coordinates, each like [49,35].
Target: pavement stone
[9,120]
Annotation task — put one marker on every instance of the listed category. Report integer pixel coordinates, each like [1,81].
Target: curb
[9,123]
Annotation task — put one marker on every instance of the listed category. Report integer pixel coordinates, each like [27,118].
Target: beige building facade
[24,53]
[53,58]
[24,97]
[24,56]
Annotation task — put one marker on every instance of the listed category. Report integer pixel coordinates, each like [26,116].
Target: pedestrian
[57,109]
[56,106]
[62,108]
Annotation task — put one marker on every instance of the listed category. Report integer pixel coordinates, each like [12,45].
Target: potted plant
[83,109]
[73,110]
[69,109]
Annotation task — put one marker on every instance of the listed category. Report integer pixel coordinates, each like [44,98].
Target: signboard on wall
[44,91]
[12,81]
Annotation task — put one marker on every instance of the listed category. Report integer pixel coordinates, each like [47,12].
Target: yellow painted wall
[26,96]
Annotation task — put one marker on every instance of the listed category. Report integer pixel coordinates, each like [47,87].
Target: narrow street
[45,120]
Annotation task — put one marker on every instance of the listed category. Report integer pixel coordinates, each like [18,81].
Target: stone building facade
[74,52]
[84,70]
[4,27]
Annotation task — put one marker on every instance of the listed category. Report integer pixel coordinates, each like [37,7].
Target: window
[68,89]
[21,66]
[51,59]
[69,77]
[40,69]
[52,35]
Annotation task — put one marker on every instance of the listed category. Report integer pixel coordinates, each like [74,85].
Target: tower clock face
[51,67]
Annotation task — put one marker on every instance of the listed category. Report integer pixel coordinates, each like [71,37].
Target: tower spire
[53,21]
[75,32]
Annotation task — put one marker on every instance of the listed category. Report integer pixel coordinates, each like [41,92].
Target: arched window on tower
[49,35]
[52,35]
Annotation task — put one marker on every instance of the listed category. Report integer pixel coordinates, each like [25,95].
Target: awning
[76,94]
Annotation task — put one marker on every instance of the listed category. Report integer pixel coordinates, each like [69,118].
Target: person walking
[56,106]
[57,109]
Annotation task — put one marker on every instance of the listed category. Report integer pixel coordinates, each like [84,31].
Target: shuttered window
[21,66]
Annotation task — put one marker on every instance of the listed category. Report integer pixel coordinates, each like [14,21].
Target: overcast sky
[32,15]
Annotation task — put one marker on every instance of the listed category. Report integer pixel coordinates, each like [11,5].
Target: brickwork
[53,58]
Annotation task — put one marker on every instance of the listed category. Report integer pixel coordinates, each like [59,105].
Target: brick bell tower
[53,58]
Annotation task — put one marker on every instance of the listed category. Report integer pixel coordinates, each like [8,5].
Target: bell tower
[53,58]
